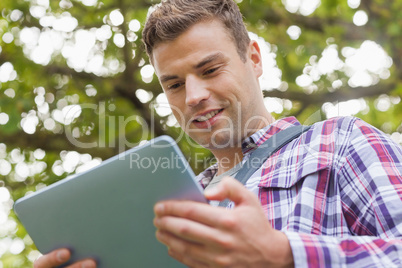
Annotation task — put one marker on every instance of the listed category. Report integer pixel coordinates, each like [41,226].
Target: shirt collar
[250,144]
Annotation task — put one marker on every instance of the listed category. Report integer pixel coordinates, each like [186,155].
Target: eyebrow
[202,63]
[209,59]
[165,78]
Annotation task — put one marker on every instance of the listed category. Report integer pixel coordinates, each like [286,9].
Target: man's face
[213,93]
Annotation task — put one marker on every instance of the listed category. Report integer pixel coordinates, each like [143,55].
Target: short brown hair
[171,18]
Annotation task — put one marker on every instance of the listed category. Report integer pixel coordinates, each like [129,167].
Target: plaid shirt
[335,191]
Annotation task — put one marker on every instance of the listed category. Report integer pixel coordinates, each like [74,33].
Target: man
[331,197]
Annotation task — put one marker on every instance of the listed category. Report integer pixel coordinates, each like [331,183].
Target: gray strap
[264,151]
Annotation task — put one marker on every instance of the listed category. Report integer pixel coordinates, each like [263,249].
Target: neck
[228,159]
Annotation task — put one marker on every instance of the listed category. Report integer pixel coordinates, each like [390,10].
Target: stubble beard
[222,137]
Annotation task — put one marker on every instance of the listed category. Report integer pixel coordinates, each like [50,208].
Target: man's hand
[200,235]
[60,256]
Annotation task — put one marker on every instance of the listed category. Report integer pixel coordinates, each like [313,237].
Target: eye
[174,86]
[210,71]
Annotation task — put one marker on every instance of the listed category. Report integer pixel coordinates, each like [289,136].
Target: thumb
[230,188]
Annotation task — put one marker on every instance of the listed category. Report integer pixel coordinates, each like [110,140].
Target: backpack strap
[264,151]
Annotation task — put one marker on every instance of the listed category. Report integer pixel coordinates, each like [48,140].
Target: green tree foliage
[76,86]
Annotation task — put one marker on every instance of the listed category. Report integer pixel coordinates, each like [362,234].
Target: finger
[87,263]
[174,242]
[230,188]
[186,260]
[188,230]
[53,259]
[195,211]
[189,253]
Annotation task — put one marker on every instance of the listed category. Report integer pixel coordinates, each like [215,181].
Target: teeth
[207,116]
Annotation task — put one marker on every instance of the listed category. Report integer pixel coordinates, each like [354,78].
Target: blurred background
[77,88]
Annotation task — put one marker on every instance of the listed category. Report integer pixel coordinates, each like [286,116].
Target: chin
[220,141]
[218,138]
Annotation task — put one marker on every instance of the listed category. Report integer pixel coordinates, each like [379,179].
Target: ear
[254,55]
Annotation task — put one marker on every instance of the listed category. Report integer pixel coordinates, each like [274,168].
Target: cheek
[180,115]
[175,105]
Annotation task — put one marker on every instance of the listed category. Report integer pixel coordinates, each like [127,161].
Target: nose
[196,91]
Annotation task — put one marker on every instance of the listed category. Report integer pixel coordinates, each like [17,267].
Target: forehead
[200,40]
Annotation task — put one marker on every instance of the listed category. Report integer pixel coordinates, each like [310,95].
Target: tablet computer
[106,213]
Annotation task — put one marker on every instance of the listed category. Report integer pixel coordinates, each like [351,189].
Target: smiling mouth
[208,116]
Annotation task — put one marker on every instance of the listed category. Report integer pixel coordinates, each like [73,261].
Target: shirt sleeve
[356,251]
[369,177]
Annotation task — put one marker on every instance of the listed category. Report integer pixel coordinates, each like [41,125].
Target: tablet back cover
[107,213]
